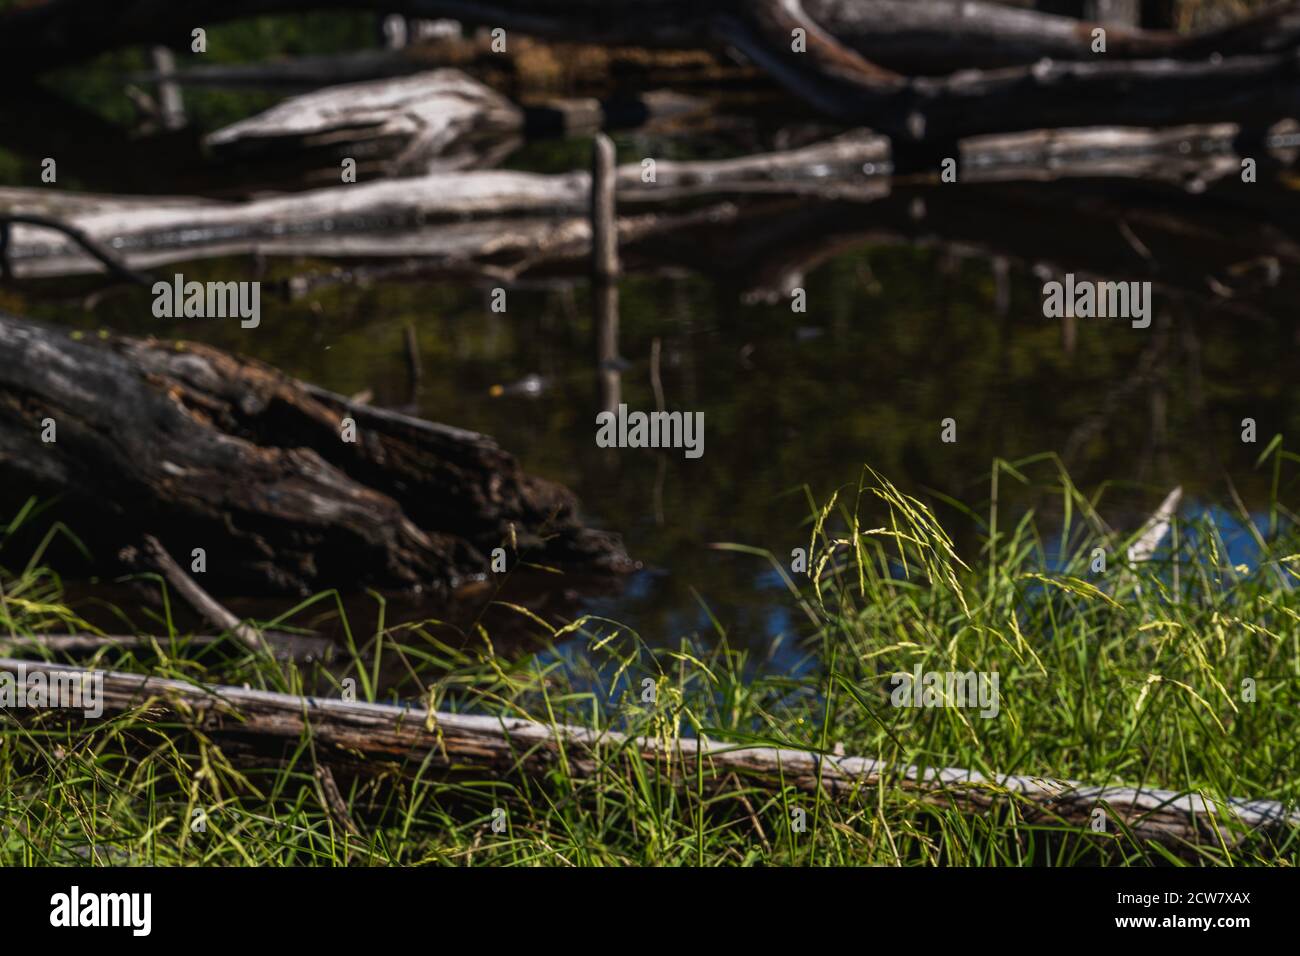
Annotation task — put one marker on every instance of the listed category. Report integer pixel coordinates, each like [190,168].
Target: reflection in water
[899,334]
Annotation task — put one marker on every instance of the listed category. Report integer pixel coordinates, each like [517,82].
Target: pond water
[896,338]
[922,307]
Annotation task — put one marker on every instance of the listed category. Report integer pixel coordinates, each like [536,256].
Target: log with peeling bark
[204,449]
[384,734]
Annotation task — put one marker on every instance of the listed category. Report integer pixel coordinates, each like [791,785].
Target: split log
[421,738]
[207,450]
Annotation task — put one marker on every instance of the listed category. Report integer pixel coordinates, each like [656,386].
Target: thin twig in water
[199,599]
[108,259]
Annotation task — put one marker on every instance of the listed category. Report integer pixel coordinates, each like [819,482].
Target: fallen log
[500,226]
[208,450]
[843,68]
[426,122]
[422,738]
[485,215]
[935,36]
[420,123]
[1261,88]
[499,223]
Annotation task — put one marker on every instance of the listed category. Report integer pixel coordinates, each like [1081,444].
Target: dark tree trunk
[207,450]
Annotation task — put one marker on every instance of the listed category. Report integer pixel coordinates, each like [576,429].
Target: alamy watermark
[77,690]
[75,908]
[1085,299]
[208,300]
[971,689]
[651,430]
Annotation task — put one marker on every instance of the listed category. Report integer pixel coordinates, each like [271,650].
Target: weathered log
[480,215]
[420,737]
[905,35]
[940,109]
[431,121]
[207,450]
[501,224]
[418,123]
[844,69]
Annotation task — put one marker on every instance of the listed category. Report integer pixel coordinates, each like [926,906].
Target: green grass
[1134,675]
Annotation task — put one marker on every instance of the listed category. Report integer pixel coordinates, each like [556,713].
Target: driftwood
[207,450]
[424,122]
[911,37]
[479,216]
[1258,87]
[499,220]
[343,730]
[503,225]
[1143,78]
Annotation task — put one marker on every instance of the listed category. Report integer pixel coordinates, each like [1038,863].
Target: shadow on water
[897,339]
[901,332]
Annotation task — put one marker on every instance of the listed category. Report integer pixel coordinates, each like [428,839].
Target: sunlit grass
[1181,673]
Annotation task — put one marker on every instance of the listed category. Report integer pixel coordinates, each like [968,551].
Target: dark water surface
[895,339]
[908,323]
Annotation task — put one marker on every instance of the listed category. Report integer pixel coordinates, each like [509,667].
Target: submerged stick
[345,729]
[605,269]
[199,599]
[281,646]
[1155,528]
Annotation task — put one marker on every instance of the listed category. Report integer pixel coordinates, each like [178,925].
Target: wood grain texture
[384,733]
